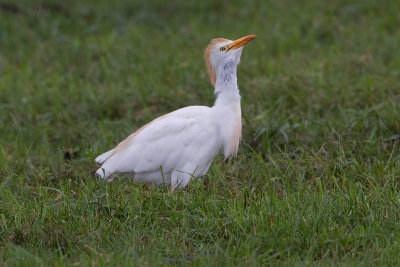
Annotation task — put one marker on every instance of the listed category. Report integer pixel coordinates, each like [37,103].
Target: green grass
[316,180]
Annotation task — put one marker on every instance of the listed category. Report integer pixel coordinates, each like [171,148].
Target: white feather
[103,157]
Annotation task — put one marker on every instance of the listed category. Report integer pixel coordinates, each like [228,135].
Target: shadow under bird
[180,145]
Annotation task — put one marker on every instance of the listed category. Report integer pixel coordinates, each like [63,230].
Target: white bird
[180,145]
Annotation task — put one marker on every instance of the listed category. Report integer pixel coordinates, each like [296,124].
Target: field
[317,177]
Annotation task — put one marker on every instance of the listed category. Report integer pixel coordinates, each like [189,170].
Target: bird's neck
[226,88]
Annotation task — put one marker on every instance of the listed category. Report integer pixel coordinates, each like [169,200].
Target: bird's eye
[222,48]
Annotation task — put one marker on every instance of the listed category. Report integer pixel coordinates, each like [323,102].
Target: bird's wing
[181,136]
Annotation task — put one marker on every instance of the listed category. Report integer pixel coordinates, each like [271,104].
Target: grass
[316,180]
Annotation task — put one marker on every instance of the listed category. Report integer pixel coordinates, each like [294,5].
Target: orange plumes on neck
[207,52]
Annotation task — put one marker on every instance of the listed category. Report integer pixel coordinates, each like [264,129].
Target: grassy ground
[317,177]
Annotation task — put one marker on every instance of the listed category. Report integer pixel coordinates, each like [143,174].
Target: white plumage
[182,144]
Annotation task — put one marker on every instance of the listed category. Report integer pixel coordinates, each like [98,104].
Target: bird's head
[223,51]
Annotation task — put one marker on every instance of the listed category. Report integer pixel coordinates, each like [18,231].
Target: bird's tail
[105,156]
[102,171]
[105,175]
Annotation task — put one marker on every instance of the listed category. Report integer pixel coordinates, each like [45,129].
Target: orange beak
[240,42]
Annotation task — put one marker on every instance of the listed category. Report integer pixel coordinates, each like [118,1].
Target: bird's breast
[234,133]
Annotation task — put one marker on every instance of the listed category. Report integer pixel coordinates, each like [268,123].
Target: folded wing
[171,141]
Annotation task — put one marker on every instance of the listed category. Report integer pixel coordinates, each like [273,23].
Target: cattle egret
[180,145]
